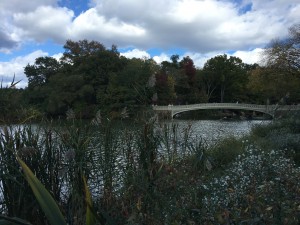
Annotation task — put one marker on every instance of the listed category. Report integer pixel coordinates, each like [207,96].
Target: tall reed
[38,147]
[136,175]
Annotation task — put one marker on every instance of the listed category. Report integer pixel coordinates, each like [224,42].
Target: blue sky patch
[78,6]
[245,9]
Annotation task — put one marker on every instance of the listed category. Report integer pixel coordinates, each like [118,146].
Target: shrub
[280,134]
[259,187]
[225,151]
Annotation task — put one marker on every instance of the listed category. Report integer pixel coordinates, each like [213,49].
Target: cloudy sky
[200,29]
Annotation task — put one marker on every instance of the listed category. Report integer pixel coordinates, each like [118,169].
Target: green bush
[278,135]
[225,151]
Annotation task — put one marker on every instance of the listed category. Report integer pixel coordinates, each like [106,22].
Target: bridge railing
[207,105]
[227,105]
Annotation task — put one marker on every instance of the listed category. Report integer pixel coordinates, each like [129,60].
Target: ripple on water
[212,130]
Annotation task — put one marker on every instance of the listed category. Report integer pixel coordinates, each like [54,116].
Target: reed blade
[44,198]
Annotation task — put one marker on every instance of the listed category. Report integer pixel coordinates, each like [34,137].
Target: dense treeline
[90,77]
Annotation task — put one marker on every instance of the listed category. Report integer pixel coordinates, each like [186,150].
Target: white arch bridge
[267,109]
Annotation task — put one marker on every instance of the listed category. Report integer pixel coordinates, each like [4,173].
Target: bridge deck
[268,109]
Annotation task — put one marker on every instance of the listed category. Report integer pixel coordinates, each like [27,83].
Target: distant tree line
[90,77]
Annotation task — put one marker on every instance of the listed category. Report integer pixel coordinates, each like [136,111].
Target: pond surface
[212,130]
[208,130]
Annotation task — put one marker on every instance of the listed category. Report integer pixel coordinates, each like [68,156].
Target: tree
[229,75]
[64,93]
[11,104]
[184,75]
[92,65]
[165,88]
[284,55]
[266,84]
[207,83]
[189,70]
[40,73]
[128,87]
[174,59]
[76,51]
[280,76]
[74,82]
[166,78]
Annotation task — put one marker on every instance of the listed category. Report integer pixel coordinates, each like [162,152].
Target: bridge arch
[177,112]
[266,109]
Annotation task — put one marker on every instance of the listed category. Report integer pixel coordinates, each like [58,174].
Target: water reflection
[212,130]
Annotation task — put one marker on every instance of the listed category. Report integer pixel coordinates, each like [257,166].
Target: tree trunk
[222,93]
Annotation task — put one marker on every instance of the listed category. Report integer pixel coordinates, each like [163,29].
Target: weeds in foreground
[38,149]
[149,175]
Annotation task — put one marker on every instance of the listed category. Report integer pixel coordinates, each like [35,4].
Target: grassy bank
[153,174]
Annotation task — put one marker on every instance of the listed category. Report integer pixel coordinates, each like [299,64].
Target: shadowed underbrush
[152,174]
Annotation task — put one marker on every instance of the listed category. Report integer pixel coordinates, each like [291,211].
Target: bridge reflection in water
[267,109]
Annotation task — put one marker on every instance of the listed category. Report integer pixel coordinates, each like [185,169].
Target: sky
[200,29]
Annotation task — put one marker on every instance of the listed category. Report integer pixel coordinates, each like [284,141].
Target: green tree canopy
[40,73]
[229,75]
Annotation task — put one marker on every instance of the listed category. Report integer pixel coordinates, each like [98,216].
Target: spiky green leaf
[44,198]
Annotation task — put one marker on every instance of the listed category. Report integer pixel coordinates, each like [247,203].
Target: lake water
[209,130]
[212,130]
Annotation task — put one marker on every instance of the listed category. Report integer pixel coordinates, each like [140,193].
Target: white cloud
[196,25]
[294,13]
[162,57]
[16,66]
[24,6]
[44,23]
[133,11]
[200,59]
[136,53]
[202,26]
[250,57]
[57,56]
[91,25]
[12,32]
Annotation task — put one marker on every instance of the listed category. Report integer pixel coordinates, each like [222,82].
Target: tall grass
[38,148]
[149,174]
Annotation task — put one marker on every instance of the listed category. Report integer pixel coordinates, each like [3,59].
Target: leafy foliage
[229,75]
